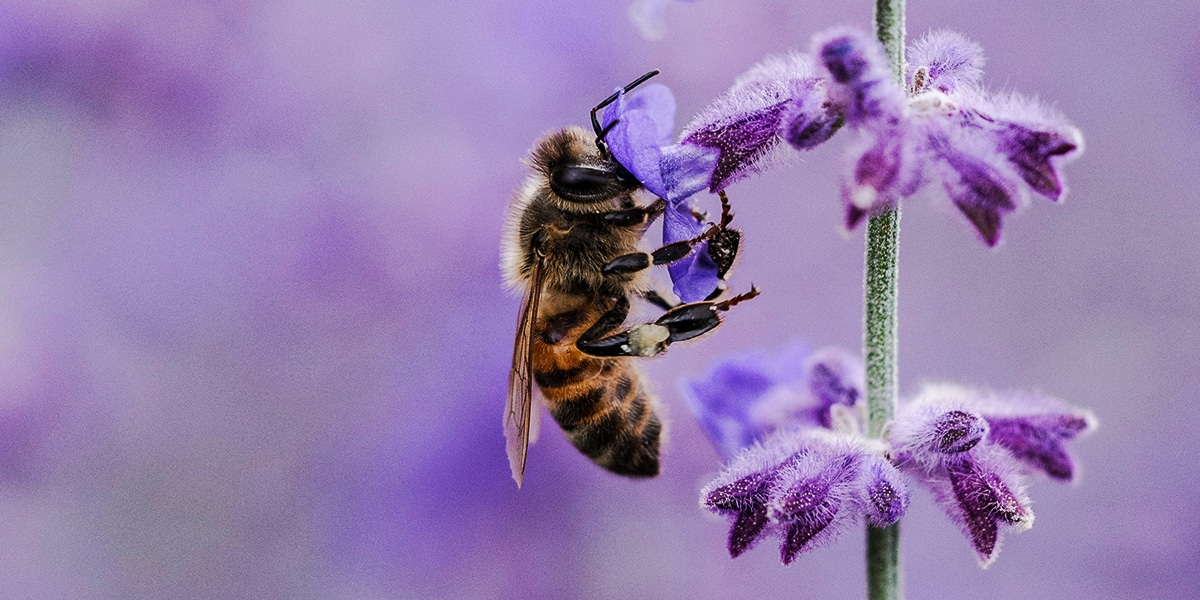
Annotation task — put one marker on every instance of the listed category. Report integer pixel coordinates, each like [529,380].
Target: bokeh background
[254,343]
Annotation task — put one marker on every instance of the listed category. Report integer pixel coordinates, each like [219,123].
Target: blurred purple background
[253,341]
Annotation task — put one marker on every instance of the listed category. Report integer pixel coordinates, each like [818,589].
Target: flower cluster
[806,487]
[984,149]
[805,476]
[987,151]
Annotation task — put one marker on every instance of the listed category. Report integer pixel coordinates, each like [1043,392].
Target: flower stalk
[879,337]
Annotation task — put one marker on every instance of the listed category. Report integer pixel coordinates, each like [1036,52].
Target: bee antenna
[602,132]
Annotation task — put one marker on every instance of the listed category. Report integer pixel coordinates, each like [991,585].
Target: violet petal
[645,118]
[808,122]
[738,402]
[986,501]
[982,192]
[801,531]
[863,82]
[1030,151]
[1038,440]
[835,377]
[746,501]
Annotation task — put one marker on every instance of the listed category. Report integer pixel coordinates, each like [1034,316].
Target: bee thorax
[648,339]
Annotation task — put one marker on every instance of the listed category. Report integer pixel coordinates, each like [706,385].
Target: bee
[571,242]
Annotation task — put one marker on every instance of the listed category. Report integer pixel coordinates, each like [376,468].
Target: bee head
[577,172]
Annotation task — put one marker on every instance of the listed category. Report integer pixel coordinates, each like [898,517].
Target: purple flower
[973,450]
[641,142]
[805,488]
[742,400]
[987,151]
[802,470]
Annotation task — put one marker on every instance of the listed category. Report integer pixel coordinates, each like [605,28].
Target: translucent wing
[518,412]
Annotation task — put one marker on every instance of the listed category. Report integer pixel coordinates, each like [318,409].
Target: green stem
[883,545]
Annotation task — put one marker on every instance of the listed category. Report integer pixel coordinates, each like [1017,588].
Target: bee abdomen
[614,423]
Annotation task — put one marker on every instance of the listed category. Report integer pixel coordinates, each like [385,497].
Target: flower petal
[835,377]
[686,170]
[983,192]
[985,502]
[745,501]
[741,492]
[1039,440]
[645,118]
[1031,152]
[694,278]
[810,493]
[808,122]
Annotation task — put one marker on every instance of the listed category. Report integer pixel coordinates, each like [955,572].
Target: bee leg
[722,248]
[724,243]
[683,322]
[634,216]
[607,323]
[657,299]
[675,251]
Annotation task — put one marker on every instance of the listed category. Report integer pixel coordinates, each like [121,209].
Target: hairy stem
[883,545]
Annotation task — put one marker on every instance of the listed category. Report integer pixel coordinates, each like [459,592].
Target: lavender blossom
[987,151]
[803,471]
[744,399]
[1035,429]
[973,450]
[641,141]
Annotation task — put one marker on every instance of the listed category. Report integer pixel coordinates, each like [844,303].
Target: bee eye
[580,183]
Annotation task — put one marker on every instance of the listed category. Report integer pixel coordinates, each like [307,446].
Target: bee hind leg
[683,322]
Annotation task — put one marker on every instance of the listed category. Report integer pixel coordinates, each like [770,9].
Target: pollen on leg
[648,339]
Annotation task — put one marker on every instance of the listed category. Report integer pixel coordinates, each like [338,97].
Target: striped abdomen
[600,403]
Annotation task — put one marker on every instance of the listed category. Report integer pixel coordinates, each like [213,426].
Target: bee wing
[518,413]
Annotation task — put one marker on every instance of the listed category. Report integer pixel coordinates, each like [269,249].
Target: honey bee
[571,242]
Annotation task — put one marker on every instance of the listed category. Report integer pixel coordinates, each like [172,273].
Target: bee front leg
[683,322]
[639,261]
[723,243]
